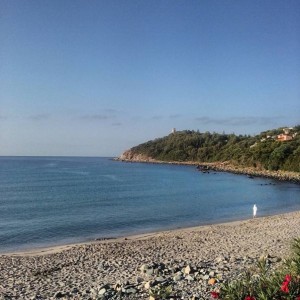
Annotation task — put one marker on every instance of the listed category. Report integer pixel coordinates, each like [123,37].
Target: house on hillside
[284,137]
[254,145]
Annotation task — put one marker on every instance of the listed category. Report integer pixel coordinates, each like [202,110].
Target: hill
[276,149]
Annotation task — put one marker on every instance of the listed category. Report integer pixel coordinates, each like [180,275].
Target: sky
[94,78]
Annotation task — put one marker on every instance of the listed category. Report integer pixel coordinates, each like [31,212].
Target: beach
[125,268]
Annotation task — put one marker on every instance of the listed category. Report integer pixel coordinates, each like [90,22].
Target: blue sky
[93,78]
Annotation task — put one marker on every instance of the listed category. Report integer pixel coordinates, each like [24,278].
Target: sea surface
[46,201]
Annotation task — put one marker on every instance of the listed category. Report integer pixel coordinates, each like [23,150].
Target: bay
[46,201]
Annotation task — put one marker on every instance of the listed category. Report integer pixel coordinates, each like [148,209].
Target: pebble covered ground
[189,263]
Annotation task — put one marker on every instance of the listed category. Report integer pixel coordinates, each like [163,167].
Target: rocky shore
[129,156]
[186,263]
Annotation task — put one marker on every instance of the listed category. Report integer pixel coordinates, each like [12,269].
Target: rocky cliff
[129,155]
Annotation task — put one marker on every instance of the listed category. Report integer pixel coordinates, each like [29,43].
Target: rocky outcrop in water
[131,156]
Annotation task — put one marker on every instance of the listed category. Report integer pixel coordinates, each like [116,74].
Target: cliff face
[129,155]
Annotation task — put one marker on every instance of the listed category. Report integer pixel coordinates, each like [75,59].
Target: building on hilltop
[284,137]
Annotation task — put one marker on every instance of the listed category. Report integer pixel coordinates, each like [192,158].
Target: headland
[129,156]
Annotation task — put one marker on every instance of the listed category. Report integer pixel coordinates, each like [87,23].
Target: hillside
[277,149]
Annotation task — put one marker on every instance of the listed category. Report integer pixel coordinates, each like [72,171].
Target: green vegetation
[160,292]
[262,151]
[263,284]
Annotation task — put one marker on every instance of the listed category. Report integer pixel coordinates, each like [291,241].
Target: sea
[49,201]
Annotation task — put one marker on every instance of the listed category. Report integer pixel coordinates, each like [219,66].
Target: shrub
[263,284]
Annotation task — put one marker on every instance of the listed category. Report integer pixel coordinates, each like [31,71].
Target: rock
[139,280]
[148,285]
[102,291]
[94,292]
[189,278]
[161,266]
[75,290]
[131,291]
[219,259]
[187,270]
[59,295]
[212,281]
[143,268]
[178,276]
[220,277]
[160,279]
[117,287]
[149,271]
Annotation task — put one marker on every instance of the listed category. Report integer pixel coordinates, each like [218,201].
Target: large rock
[187,270]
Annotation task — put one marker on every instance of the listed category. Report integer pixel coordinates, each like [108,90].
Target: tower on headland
[173,130]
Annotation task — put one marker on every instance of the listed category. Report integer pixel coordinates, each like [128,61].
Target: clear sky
[93,78]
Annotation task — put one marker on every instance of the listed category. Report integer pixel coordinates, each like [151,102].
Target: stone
[219,259]
[189,278]
[160,279]
[59,295]
[75,290]
[212,281]
[211,273]
[178,276]
[220,276]
[148,285]
[117,286]
[102,291]
[149,271]
[131,291]
[94,292]
[139,280]
[187,270]
[143,268]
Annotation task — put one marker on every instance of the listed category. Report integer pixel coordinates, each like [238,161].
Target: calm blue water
[56,200]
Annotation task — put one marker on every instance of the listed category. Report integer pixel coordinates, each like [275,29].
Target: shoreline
[185,259]
[293,177]
[38,251]
[124,268]
[57,248]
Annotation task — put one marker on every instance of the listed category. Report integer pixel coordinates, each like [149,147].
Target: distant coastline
[289,176]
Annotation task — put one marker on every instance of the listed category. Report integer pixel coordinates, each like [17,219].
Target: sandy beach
[125,268]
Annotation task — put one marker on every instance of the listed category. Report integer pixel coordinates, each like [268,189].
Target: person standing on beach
[254,210]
